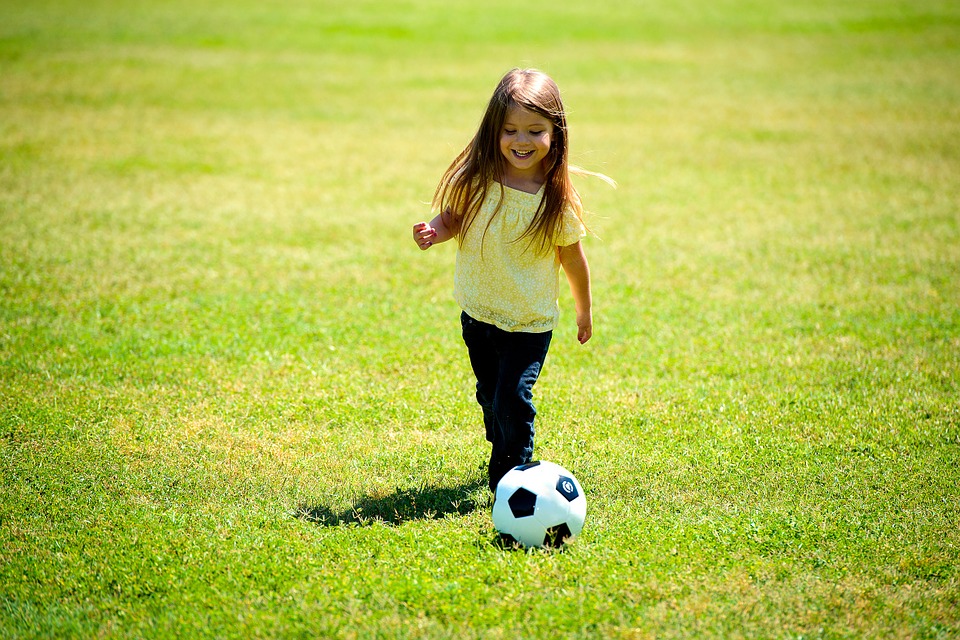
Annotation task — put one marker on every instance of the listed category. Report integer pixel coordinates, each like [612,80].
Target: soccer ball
[539,504]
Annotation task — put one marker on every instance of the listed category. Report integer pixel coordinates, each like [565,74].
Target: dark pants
[507,364]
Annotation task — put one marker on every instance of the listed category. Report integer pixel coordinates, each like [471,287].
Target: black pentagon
[522,503]
[567,488]
[557,535]
[529,465]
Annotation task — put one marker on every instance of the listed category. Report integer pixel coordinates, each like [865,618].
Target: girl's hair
[466,182]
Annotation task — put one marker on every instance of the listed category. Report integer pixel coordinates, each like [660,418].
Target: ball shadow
[505,542]
[402,505]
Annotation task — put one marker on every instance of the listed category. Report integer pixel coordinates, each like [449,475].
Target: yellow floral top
[510,284]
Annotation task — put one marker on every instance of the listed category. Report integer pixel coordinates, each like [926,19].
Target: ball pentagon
[522,503]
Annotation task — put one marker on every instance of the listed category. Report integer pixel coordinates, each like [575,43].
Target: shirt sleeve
[572,229]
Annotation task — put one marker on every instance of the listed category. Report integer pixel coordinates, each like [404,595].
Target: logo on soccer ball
[567,488]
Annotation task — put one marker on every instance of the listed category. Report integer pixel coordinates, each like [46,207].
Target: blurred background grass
[224,362]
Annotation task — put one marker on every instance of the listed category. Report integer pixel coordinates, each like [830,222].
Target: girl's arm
[575,266]
[440,229]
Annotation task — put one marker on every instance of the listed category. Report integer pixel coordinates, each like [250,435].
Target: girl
[508,200]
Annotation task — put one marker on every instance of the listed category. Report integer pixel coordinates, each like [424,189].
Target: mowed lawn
[234,402]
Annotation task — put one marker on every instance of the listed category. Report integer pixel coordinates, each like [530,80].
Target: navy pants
[507,365]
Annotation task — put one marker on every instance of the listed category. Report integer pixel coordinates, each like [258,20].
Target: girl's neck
[530,183]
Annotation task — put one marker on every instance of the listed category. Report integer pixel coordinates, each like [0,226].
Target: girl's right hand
[424,235]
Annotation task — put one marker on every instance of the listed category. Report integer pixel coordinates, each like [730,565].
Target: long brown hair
[468,179]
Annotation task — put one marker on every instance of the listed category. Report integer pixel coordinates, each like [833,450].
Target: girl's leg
[478,337]
[507,366]
[521,359]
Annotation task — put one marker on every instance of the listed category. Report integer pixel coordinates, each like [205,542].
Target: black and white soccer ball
[539,504]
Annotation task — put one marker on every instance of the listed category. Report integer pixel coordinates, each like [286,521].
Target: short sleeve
[572,229]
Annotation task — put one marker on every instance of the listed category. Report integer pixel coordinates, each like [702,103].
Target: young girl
[508,200]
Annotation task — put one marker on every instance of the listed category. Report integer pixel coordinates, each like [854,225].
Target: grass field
[233,397]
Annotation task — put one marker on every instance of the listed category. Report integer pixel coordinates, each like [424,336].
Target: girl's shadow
[403,505]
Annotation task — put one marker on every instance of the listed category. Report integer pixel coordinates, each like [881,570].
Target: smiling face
[524,142]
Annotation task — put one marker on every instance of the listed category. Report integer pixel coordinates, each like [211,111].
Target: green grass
[234,401]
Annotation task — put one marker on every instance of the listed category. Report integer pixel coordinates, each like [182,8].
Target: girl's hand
[584,326]
[424,235]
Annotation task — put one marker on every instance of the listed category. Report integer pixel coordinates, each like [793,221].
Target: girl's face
[525,140]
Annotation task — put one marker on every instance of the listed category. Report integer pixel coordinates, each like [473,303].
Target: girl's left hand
[584,327]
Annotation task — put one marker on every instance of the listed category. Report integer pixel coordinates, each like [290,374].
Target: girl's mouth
[522,154]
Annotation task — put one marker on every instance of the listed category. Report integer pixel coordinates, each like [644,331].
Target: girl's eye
[509,132]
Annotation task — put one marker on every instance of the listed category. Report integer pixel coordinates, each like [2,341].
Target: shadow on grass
[507,543]
[403,505]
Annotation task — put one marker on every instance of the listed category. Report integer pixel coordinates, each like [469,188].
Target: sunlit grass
[233,397]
